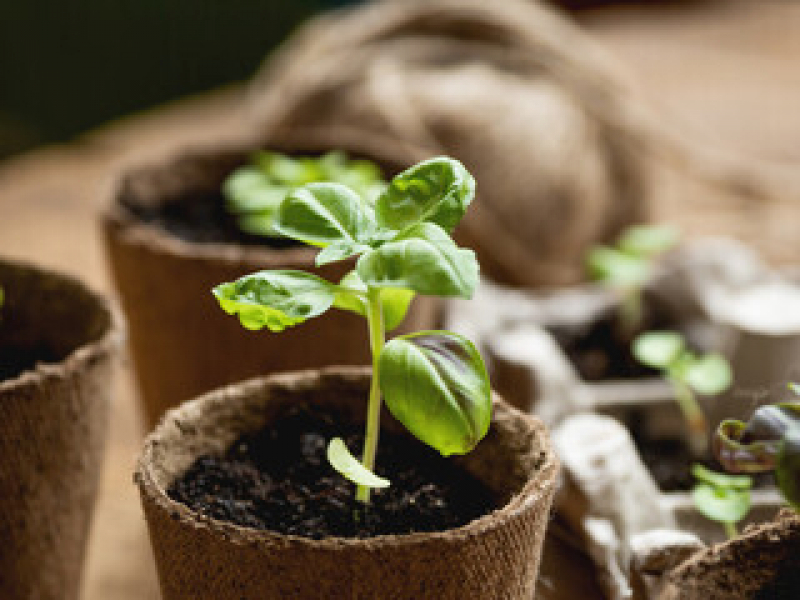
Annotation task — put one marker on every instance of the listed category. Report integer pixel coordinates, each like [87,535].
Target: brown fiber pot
[199,558]
[739,568]
[182,342]
[53,423]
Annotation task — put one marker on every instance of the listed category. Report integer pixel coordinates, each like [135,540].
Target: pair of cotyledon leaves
[435,383]
[627,263]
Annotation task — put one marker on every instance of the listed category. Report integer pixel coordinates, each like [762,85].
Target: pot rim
[134,231]
[82,356]
[535,488]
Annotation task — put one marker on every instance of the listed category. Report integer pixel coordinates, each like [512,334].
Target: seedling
[722,498]
[688,373]
[627,267]
[255,191]
[769,441]
[433,382]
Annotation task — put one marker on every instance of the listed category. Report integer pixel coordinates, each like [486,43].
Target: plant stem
[630,311]
[376,341]
[695,418]
[730,529]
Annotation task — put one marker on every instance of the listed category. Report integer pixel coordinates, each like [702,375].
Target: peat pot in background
[57,343]
[182,344]
[200,558]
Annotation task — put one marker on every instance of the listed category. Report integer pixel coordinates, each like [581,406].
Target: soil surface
[279,479]
[15,360]
[786,585]
[202,219]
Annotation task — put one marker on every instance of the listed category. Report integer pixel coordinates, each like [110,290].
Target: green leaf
[275,299]
[658,349]
[616,268]
[647,240]
[724,505]
[709,375]
[795,388]
[321,214]
[339,251]
[348,466]
[394,302]
[721,480]
[423,259]
[437,190]
[435,383]
[249,190]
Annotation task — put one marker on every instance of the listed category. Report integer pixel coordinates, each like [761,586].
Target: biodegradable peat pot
[57,341]
[199,558]
[183,344]
[761,564]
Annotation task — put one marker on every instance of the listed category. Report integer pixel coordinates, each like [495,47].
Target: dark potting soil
[14,360]
[786,584]
[602,350]
[279,479]
[203,219]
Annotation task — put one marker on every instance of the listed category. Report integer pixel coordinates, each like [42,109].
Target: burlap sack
[737,569]
[516,92]
[198,558]
[53,422]
[183,344]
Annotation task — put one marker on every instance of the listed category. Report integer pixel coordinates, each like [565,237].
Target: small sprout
[721,498]
[689,374]
[769,441]
[794,388]
[627,266]
[255,191]
[434,382]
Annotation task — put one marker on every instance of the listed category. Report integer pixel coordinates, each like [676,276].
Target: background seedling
[769,441]
[688,373]
[627,267]
[434,382]
[722,498]
[255,191]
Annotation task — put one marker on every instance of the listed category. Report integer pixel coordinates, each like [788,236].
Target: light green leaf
[435,383]
[647,240]
[724,505]
[249,190]
[321,214]
[794,388]
[437,190]
[721,480]
[658,349]
[424,259]
[394,302]
[348,466]
[617,268]
[709,375]
[339,251]
[275,299]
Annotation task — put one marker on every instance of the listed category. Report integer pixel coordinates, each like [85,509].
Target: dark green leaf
[435,383]
[658,349]
[424,259]
[321,214]
[275,299]
[437,190]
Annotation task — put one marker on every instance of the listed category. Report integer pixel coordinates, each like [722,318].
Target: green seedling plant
[627,267]
[768,442]
[434,382]
[689,375]
[721,497]
[254,191]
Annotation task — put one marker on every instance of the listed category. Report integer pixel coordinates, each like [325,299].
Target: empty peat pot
[200,558]
[182,343]
[763,563]
[57,341]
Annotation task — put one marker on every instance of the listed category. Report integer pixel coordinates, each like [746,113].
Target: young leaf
[321,214]
[275,299]
[721,480]
[435,383]
[647,240]
[721,504]
[348,466]
[423,259]
[437,190]
[795,388]
[709,375]
[617,268]
[338,251]
[658,349]
[394,301]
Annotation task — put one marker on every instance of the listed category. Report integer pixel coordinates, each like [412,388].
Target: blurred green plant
[721,498]
[254,191]
[627,267]
[689,374]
